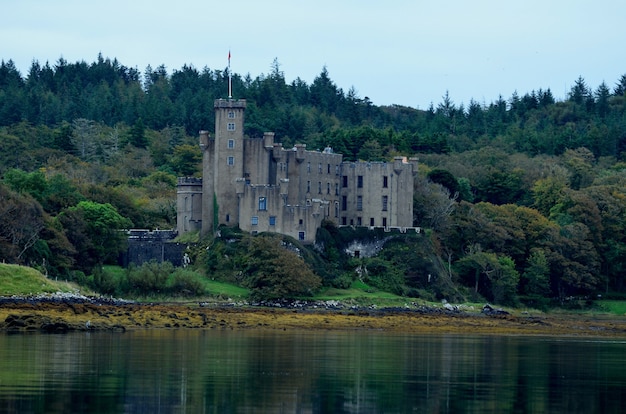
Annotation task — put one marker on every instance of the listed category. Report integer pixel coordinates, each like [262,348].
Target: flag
[229,58]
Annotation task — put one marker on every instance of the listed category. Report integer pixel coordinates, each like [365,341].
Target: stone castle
[258,185]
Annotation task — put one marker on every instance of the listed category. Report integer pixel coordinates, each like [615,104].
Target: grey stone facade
[260,186]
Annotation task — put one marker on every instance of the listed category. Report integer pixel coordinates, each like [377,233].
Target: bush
[150,277]
[343,281]
[187,283]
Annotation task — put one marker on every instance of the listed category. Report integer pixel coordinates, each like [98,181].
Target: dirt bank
[66,316]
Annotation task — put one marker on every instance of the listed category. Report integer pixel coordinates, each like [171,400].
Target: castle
[258,185]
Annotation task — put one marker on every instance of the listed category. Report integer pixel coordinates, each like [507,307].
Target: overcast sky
[406,52]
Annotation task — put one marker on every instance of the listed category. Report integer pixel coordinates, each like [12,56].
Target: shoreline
[23,315]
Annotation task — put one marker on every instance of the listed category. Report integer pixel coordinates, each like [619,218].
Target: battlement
[230,103]
[189,181]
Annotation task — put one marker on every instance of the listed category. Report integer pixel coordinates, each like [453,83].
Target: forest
[522,200]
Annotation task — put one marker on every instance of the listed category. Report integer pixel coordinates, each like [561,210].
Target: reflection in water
[339,372]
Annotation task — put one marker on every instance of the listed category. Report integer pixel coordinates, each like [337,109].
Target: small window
[344,203]
[359,181]
[319,168]
[319,187]
[336,188]
[231,126]
[227,218]
[231,143]
[385,181]
[328,169]
[272,220]
[384,221]
[344,221]
[231,114]
[230,160]
[262,203]
[254,221]
[308,167]
[372,221]
[308,186]
[345,181]
[359,221]
[385,202]
[359,203]
[327,188]
[300,235]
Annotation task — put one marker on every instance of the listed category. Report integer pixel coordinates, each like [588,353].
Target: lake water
[256,371]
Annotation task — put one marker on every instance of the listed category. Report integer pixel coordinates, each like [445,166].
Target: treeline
[522,199]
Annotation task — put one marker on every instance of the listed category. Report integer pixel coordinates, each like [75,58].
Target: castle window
[262,203]
[300,235]
[231,143]
[308,167]
[385,181]
[231,114]
[359,221]
[328,169]
[327,188]
[344,221]
[336,209]
[372,221]
[385,202]
[319,168]
[336,169]
[319,187]
[344,203]
[230,160]
[336,188]
[254,221]
[359,181]
[384,221]
[359,203]
[308,186]
[227,218]
[345,181]
[230,126]
[272,220]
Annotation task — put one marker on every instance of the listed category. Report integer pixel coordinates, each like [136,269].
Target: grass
[615,307]
[22,280]
[361,293]
[226,290]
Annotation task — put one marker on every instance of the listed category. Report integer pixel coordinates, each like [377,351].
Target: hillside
[521,200]
[21,280]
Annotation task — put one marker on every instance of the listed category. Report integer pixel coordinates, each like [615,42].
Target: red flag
[229,57]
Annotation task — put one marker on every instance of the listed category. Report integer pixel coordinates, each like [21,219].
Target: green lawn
[225,290]
[360,292]
[616,307]
[22,280]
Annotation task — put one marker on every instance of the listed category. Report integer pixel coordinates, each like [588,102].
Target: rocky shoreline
[62,313]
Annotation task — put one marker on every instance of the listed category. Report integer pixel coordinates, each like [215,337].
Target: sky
[403,52]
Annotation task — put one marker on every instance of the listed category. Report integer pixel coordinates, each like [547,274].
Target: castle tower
[224,166]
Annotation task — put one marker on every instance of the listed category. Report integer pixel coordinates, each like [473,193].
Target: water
[253,371]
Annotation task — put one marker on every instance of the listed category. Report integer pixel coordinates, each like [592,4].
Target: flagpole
[230,79]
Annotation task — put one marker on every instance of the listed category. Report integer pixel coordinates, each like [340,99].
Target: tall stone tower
[223,165]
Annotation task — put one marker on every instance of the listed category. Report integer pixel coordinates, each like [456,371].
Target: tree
[137,136]
[186,159]
[21,222]
[94,229]
[274,271]
[536,277]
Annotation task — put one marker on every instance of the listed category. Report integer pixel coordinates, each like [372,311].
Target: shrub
[150,277]
[187,283]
